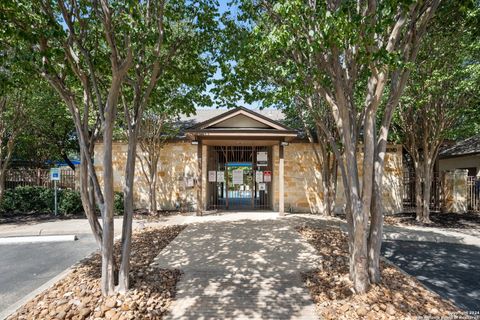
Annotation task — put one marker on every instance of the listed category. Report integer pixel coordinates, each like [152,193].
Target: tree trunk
[108,276]
[88,201]
[427,187]
[2,183]
[153,186]
[359,260]
[376,219]
[418,192]
[123,277]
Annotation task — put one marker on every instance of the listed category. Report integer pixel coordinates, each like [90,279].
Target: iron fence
[409,192]
[438,198]
[16,177]
[473,194]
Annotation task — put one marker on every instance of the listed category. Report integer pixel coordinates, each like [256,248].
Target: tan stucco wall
[303,192]
[451,164]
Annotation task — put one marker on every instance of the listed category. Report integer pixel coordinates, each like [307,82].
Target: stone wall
[303,192]
[303,180]
[178,162]
[455,191]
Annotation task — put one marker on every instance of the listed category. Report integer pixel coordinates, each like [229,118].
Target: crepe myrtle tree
[93,53]
[441,95]
[356,56]
[171,48]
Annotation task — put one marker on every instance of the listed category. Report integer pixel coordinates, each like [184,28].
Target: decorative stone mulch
[78,296]
[398,296]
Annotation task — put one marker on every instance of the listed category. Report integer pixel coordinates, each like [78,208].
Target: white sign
[258,176]
[212,176]
[237,176]
[262,186]
[55,174]
[190,182]
[262,156]
[267,176]
[220,176]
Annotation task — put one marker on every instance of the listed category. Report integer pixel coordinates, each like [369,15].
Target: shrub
[118,203]
[42,200]
[70,202]
[29,199]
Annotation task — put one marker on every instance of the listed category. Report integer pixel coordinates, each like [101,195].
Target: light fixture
[283,143]
[195,142]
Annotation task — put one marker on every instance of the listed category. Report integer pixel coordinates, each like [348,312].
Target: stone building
[242,159]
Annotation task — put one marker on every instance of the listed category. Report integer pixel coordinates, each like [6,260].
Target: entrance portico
[236,162]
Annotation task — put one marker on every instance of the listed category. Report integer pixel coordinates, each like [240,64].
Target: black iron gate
[239,177]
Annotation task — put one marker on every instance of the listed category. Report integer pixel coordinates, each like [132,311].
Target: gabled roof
[242,121]
[240,111]
[469,146]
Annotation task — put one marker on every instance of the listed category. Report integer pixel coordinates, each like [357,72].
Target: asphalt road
[451,270]
[25,267]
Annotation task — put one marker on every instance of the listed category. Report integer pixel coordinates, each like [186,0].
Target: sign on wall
[220,176]
[262,186]
[237,176]
[259,176]
[267,176]
[262,159]
[212,176]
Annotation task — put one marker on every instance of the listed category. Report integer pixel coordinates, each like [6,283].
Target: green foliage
[37,200]
[70,202]
[118,203]
[442,92]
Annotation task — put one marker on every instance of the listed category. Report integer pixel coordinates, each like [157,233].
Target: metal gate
[239,177]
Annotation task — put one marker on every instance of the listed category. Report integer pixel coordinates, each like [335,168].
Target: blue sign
[55,174]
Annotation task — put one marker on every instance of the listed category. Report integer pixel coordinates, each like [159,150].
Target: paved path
[240,270]
[25,267]
[451,270]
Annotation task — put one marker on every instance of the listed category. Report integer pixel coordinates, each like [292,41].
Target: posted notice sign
[237,176]
[55,174]
[220,176]
[259,176]
[267,176]
[212,176]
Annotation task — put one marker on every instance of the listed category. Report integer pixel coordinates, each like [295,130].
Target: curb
[37,239]
[47,285]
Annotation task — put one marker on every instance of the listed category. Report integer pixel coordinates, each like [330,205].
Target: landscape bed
[78,295]
[398,296]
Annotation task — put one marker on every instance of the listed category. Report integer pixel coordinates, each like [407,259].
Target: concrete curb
[17,305]
[47,285]
[37,239]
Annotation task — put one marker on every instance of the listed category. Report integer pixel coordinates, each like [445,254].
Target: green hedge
[41,200]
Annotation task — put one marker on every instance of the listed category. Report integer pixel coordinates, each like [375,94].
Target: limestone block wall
[178,162]
[455,191]
[303,189]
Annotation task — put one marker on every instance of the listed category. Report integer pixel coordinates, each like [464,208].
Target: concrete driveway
[451,270]
[26,267]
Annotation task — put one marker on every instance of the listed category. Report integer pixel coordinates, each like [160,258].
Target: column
[199,178]
[281,181]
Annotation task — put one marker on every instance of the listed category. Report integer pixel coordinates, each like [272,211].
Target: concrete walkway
[246,269]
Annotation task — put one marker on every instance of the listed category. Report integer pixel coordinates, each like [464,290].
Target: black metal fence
[16,177]
[473,194]
[438,192]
